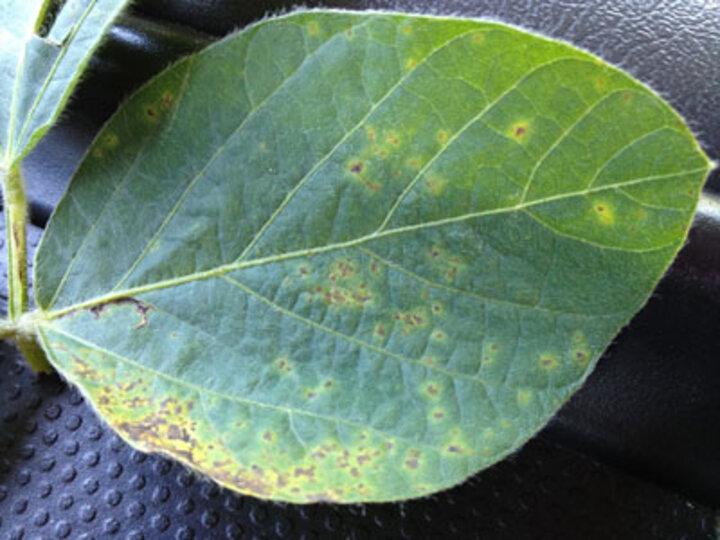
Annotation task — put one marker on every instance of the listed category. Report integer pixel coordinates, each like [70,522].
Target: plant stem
[13,189]
[16,242]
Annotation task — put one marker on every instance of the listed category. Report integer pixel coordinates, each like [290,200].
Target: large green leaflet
[41,62]
[360,256]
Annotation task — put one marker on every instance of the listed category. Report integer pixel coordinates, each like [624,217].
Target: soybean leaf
[360,257]
[46,45]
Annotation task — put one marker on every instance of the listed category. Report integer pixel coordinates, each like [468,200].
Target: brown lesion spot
[411,320]
[439,335]
[519,130]
[392,138]
[582,358]
[309,472]
[432,390]
[413,460]
[141,308]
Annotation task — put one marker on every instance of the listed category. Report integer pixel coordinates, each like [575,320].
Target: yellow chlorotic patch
[524,397]
[150,113]
[413,460]
[604,213]
[581,357]
[110,141]
[167,100]
[549,362]
[442,136]
[303,270]
[478,37]
[392,138]
[439,335]
[313,28]
[356,166]
[435,184]
[411,320]
[437,415]
[283,365]
[358,170]
[490,352]
[429,360]
[432,390]
[380,331]
[414,163]
[457,449]
[580,352]
[519,130]
[342,269]
[343,296]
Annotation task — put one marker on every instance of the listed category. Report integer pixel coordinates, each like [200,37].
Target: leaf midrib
[224,269]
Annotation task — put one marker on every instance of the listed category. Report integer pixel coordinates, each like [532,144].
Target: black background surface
[651,409]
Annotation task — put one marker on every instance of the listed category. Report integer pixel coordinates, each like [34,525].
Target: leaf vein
[224,269]
[375,106]
[464,292]
[455,136]
[360,343]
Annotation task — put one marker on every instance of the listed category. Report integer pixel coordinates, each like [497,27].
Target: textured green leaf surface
[40,64]
[346,256]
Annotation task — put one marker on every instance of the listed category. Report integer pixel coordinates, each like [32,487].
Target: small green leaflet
[360,256]
[38,72]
